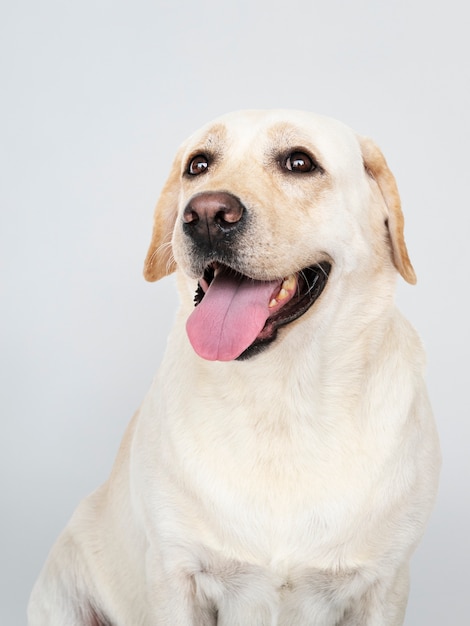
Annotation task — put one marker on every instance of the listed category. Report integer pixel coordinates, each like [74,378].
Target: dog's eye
[299,162]
[198,165]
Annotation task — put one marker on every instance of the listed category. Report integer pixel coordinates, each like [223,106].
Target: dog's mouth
[237,316]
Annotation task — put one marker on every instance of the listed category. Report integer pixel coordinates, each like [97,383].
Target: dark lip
[311,280]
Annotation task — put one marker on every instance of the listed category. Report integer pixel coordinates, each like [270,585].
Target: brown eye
[300,163]
[198,165]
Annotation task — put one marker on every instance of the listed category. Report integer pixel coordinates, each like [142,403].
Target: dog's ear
[376,167]
[159,261]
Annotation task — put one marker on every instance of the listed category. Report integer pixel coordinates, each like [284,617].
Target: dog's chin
[310,284]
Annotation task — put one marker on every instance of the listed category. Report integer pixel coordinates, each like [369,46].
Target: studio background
[95,98]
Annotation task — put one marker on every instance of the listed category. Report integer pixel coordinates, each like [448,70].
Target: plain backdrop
[95,97]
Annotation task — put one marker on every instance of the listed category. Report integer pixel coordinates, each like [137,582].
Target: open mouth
[236,316]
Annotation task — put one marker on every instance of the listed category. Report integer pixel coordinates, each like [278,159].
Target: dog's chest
[269,476]
[272,490]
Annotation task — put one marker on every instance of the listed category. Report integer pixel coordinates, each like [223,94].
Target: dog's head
[260,209]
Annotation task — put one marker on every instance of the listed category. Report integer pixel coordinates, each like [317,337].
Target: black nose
[212,218]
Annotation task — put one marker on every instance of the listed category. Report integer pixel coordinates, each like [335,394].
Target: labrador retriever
[282,468]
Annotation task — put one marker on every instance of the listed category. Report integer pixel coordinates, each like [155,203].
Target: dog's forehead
[264,131]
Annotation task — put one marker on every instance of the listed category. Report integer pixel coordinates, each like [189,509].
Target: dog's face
[262,209]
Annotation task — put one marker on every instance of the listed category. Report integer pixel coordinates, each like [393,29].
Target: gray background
[95,98]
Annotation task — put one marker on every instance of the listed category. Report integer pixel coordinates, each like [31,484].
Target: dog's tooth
[282,295]
[272,303]
[289,283]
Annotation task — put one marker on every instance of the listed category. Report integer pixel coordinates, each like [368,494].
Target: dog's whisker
[162,247]
[165,250]
[310,282]
[322,269]
[303,276]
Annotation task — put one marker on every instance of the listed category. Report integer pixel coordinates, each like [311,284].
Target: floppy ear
[159,261]
[376,166]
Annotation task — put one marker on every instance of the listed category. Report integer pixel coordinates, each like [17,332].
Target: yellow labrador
[284,463]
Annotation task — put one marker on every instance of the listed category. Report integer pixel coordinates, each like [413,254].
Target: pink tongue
[230,316]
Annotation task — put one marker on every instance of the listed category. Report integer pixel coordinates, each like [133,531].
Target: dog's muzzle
[236,315]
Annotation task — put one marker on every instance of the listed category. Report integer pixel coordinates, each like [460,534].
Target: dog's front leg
[219,592]
[343,598]
[240,593]
[383,604]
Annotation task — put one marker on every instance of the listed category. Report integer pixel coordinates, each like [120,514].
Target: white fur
[290,488]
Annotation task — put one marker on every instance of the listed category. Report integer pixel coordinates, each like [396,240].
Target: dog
[283,466]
